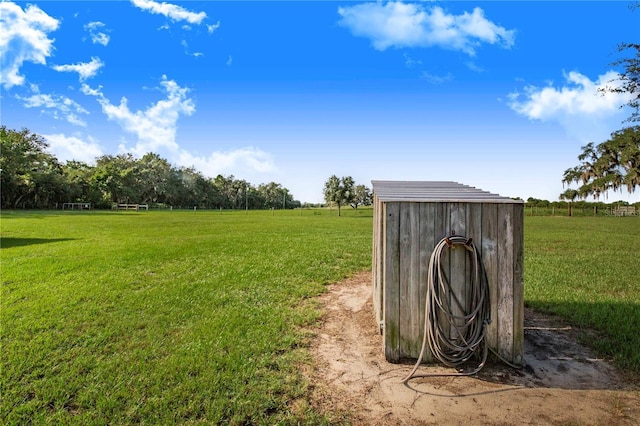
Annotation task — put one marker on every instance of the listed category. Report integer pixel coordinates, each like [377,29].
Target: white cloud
[579,96]
[577,105]
[154,127]
[186,50]
[73,148]
[410,62]
[58,107]
[212,28]
[84,69]
[171,11]
[397,24]
[23,37]
[97,36]
[437,79]
[239,161]
[92,92]
[474,67]
[229,61]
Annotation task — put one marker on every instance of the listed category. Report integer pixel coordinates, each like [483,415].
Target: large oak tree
[29,175]
[615,163]
[610,165]
[339,190]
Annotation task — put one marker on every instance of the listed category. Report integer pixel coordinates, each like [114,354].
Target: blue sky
[499,95]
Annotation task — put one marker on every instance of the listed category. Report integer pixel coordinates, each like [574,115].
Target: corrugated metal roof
[434,191]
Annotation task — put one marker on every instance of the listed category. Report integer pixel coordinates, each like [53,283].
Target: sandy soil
[562,382]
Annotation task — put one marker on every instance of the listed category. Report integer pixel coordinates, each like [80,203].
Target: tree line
[31,177]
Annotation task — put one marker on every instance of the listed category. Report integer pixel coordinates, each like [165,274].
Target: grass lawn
[166,317]
[120,318]
[587,270]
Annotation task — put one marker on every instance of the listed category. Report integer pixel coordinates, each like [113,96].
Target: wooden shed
[410,218]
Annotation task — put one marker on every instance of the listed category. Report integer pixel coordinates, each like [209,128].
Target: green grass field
[166,317]
[587,269]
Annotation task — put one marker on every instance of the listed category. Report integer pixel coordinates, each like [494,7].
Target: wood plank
[505,280]
[474,231]
[377,258]
[458,272]
[442,230]
[489,247]
[410,338]
[427,243]
[474,225]
[374,256]
[391,301]
[518,284]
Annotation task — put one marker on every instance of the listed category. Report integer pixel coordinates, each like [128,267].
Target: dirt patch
[562,382]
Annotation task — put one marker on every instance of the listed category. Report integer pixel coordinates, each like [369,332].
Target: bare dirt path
[562,383]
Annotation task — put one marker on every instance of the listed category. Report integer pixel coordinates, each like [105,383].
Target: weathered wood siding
[405,234]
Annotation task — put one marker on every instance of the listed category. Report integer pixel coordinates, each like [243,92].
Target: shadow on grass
[19,242]
[608,327]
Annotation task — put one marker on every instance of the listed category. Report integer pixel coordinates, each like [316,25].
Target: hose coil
[454,329]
